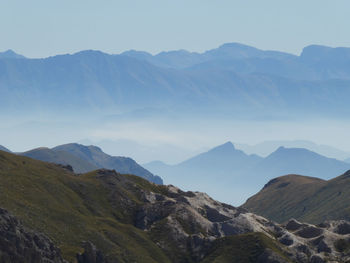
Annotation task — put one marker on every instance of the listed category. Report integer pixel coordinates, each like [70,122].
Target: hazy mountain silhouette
[95,156]
[299,161]
[267,147]
[235,80]
[79,165]
[239,175]
[183,59]
[10,54]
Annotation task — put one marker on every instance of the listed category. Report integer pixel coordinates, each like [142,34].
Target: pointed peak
[10,54]
[228,146]
[281,148]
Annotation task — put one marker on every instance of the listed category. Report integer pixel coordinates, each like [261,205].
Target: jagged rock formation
[193,220]
[18,245]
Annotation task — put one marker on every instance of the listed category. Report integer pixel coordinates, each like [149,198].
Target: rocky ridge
[194,221]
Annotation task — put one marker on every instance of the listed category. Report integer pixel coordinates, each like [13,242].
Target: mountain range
[239,175]
[232,80]
[105,217]
[267,147]
[85,159]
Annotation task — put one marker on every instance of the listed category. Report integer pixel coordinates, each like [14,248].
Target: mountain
[307,199]
[184,59]
[315,62]
[61,157]
[98,159]
[347,160]
[219,168]
[332,62]
[267,147]
[278,199]
[238,175]
[124,218]
[2,148]
[225,154]
[241,81]
[299,161]
[10,54]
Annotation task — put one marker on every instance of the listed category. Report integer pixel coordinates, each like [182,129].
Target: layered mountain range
[232,80]
[104,216]
[239,175]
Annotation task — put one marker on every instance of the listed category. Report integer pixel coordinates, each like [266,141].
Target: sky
[42,28]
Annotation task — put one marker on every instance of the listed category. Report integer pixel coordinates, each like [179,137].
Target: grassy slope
[304,198]
[241,249]
[71,209]
[330,202]
[282,197]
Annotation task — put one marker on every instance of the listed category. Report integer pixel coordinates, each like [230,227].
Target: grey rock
[19,245]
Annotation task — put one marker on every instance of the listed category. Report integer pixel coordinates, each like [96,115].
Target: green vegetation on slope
[246,248]
[71,209]
[304,198]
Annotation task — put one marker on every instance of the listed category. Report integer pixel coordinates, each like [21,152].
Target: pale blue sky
[40,28]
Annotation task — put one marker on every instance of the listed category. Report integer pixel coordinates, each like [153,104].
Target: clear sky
[40,28]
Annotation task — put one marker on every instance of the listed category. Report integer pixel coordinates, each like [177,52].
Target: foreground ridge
[124,218]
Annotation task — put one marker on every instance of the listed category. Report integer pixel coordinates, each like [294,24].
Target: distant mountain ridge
[85,159]
[238,175]
[100,159]
[184,59]
[61,157]
[10,54]
[267,147]
[233,79]
[300,161]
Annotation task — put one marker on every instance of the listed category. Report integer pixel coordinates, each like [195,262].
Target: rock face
[192,221]
[17,245]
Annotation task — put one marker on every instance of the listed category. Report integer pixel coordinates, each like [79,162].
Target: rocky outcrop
[18,245]
[192,221]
